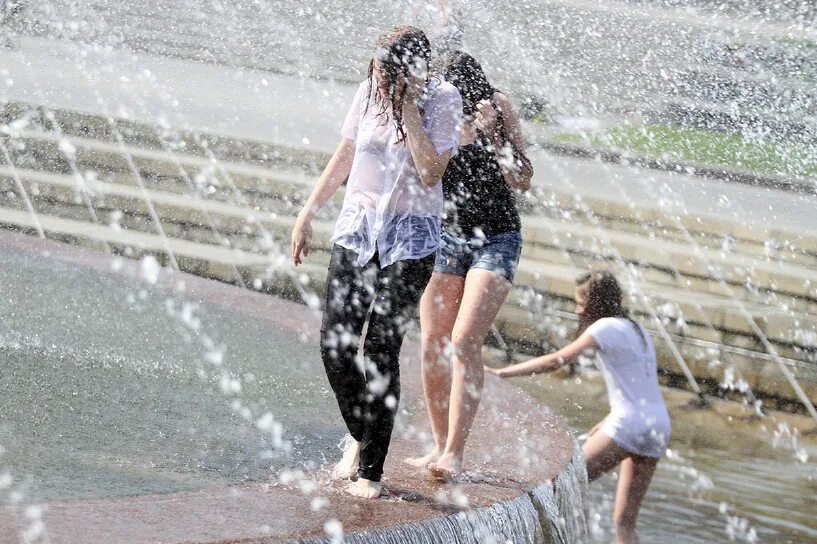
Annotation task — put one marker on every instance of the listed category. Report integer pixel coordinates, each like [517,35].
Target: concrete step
[547,242]
[548,269]
[293,185]
[706,231]
[707,360]
[31,121]
[57,194]
[586,258]
[794,332]
[268,272]
[273,273]
[679,261]
[667,262]
[279,190]
[48,151]
[551,238]
[42,150]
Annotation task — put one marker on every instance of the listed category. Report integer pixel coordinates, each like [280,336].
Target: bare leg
[634,479]
[484,294]
[438,311]
[602,454]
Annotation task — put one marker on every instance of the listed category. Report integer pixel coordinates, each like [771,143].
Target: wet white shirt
[638,418]
[387,208]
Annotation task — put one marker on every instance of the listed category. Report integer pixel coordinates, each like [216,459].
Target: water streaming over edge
[554,512]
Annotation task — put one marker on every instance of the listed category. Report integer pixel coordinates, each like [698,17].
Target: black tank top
[477,195]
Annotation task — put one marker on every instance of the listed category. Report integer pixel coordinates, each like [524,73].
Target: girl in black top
[476,262]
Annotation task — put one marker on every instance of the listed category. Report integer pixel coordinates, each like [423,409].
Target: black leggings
[368,397]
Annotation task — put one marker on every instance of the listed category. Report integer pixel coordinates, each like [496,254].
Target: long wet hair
[465,73]
[604,299]
[403,52]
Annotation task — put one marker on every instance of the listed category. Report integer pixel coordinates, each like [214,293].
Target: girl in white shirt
[399,133]
[636,431]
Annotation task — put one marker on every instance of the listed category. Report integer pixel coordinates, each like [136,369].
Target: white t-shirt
[387,208]
[628,365]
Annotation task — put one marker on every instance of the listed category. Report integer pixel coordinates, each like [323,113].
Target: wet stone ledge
[526,480]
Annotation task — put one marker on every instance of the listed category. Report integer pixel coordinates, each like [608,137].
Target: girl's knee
[466,345]
[437,349]
[433,341]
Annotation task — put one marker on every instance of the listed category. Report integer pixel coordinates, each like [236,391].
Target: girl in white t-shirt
[399,133]
[636,431]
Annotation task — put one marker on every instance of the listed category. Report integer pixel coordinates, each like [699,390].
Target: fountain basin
[120,425]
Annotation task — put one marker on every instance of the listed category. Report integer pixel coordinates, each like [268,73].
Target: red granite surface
[516,444]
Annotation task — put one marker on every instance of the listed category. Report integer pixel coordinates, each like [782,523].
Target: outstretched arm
[336,171]
[549,362]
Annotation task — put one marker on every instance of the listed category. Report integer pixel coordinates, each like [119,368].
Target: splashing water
[596,68]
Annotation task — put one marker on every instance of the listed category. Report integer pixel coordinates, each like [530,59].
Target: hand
[495,371]
[486,117]
[413,89]
[301,238]
[595,428]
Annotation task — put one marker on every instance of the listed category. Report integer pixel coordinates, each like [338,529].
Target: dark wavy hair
[403,52]
[465,73]
[604,299]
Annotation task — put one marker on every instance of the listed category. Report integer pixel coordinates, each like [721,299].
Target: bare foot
[423,462]
[346,469]
[365,489]
[447,467]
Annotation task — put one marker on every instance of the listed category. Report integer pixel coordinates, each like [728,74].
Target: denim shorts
[498,253]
